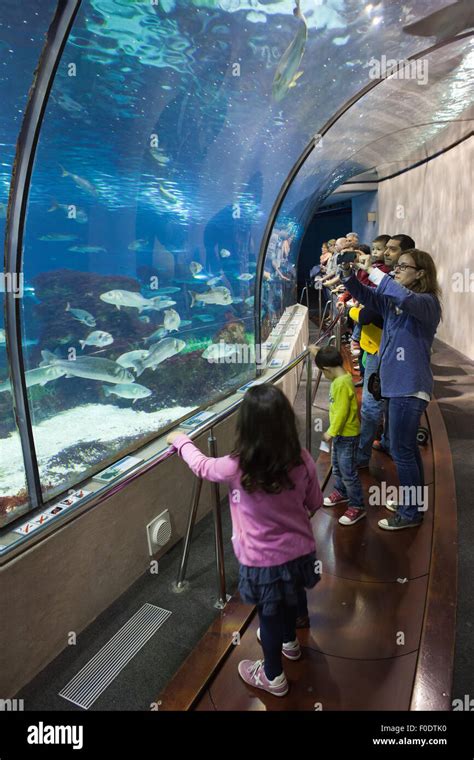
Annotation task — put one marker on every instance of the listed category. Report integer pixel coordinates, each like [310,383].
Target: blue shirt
[410,323]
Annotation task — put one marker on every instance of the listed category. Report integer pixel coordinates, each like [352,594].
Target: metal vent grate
[100,671]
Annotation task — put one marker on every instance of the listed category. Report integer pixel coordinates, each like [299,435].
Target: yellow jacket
[371,335]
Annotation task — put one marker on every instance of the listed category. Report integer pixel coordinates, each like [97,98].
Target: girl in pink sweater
[273,492]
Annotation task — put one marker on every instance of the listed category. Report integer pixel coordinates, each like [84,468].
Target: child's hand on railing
[171,437]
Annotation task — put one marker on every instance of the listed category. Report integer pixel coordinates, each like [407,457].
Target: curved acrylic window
[22,30]
[169,130]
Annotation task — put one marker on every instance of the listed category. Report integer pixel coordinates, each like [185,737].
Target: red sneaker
[334,498]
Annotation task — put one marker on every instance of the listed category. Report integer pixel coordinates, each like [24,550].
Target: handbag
[374,385]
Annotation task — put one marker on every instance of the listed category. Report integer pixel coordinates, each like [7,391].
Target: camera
[346,257]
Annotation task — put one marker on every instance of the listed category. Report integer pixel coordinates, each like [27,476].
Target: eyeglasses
[404,267]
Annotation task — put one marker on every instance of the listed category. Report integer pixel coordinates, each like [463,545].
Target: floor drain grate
[100,671]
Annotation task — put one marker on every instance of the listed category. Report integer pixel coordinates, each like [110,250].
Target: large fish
[89,368]
[129,359]
[159,353]
[220,296]
[172,320]
[132,300]
[447,22]
[39,376]
[128,390]
[287,72]
[84,184]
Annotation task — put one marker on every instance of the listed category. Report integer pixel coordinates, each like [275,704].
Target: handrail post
[219,546]
[309,381]
[181,583]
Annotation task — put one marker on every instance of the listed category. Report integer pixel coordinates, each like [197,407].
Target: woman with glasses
[409,302]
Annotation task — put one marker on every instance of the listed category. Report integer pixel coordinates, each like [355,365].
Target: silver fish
[97,338]
[82,316]
[172,320]
[245,277]
[225,253]
[159,353]
[446,22]
[287,72]
[84,184]
[128,299]
[57,238]
[128,390]
[220,296]
[77,214]
[138,245]
[157,335]
[213,281]
[159,303]
[129,359]
[90,368]
[195,267]
[88,249]
[39,376]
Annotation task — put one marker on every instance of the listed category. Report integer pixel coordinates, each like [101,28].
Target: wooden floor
[369,614]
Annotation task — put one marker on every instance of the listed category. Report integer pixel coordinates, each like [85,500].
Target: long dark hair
[267,444]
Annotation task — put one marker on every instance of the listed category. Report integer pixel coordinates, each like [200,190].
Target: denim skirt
[271,586]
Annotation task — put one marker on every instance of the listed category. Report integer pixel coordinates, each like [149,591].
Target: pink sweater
[268,529]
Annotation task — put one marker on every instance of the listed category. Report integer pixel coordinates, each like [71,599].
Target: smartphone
[346,257]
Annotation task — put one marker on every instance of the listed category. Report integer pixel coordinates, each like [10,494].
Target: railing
[181,584]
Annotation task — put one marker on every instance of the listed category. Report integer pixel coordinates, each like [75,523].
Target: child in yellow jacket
[344,432]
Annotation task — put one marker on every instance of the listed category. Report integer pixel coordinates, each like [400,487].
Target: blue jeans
[344,469]
[405,413]
[371,414]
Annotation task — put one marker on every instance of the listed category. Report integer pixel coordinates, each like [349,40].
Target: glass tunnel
[157,157]
[155,179]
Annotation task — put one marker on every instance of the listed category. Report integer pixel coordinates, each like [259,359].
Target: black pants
[277,629]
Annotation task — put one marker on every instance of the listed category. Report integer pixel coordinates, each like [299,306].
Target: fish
[159,156]
[157,335]
[39,376]
[159,303]
[167,291]
[250,301]
[220,351]
[205,317]
[444,23]
[145,320]
[167,194]
[213,281]
[287,72]
[225,253]
[2,336]
[72,212]
[57,238]
[195,267]
[185,323]
[88,249]
[130,299]
[161,351]
[245,277]
[71,106]
[134,391]
[81,315]
[82,183]
[172,320]
[89,368]
[220,296]
[139,245]
[97,338]
[128,359]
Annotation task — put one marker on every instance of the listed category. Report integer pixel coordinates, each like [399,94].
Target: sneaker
[377,445]
[352,515]
[253,673]
[334,498]
[303,621]
[291,649]
[397,522]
